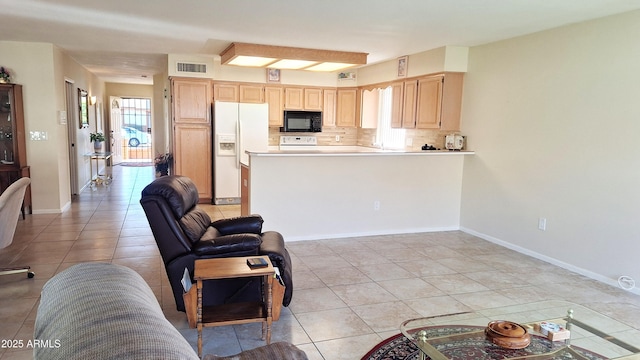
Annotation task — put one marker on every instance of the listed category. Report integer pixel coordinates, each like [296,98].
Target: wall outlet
[542,224]
[376,205]
[337,138]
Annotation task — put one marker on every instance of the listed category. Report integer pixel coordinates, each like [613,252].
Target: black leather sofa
[184,233]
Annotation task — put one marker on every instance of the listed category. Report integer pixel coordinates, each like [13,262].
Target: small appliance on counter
[454,142]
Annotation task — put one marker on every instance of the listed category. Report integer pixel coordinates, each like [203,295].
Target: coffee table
[461,335]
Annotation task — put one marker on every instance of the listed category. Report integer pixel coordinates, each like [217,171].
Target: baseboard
[66,207]
[590,274]
[368,233]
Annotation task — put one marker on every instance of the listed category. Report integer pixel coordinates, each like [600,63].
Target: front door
[115,130]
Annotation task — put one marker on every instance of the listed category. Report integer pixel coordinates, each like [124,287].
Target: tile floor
[349,293]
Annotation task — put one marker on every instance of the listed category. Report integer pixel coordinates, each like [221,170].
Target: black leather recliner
[184,233]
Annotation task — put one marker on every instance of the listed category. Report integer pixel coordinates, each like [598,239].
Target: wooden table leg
[269,307]
[199,317]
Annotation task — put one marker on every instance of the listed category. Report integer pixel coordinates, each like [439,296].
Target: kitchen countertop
[351,151]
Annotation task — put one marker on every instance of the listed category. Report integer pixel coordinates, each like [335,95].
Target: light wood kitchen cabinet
[397,102]
[273,97]
[193,148]
[191,101]
[429,101]
[451,101]
[192,151]
[251,93]
[293,98]
[309,99]
[409,105]
[346,107]
[226,92]
[245,191]
[313,99]
[329,107]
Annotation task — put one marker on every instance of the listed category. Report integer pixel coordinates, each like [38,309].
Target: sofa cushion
[104,311]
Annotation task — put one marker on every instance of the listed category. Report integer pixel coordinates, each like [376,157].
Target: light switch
[62,117]
[38,135]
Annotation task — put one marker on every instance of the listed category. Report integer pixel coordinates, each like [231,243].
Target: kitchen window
[386,136]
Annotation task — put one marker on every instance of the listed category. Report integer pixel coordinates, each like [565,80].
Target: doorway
[131,131]
[70,114]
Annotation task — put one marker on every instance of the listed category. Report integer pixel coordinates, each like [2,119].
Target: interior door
[70,114]
[115,129]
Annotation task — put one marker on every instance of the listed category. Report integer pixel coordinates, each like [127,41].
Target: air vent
[192,68]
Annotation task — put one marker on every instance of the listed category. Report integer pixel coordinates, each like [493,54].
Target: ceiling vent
[191,68]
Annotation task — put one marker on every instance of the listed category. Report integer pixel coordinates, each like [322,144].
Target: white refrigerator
[237,128]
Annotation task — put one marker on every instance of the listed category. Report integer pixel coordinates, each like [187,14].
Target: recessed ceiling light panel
[292,64]
[255,61]
[283,57]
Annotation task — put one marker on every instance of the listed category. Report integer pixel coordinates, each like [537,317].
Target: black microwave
[302,121]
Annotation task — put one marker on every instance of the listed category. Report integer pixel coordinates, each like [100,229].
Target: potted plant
[162,162]
[97,139]
[5,77]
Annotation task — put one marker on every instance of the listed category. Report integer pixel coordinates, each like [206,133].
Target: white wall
[447,58]
[332,196]
[553,119]
[42,69]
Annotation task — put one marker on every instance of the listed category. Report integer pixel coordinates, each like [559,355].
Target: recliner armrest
[244,224]
[273,246]
[227,244]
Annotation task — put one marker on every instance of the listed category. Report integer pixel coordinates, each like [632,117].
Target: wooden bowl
[507,334]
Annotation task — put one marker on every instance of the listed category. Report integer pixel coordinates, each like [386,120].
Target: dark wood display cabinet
[13,152]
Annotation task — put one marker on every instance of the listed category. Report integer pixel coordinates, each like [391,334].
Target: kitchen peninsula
[337,192]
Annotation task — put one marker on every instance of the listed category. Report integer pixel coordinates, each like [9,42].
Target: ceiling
[127,41]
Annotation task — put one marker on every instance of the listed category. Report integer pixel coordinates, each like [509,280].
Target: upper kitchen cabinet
[397,101]
[313,99]
[293,98]
[451,101]
[13,152]
[329,107]
[226,92]
[297,98]
[191,110]
[251,93]
[273,97]
[410,91]
[439,102]
[347,107]
[191,100]
[430,102]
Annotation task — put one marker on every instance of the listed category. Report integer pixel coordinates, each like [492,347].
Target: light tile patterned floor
[349,293]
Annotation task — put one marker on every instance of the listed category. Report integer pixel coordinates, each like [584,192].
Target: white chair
[10,205]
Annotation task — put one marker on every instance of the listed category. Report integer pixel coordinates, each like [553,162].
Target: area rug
[475,347]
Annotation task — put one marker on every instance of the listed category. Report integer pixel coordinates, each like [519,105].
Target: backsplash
[419,138]
[364,137]
[347,136]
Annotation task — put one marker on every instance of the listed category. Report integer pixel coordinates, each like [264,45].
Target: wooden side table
[234,313]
